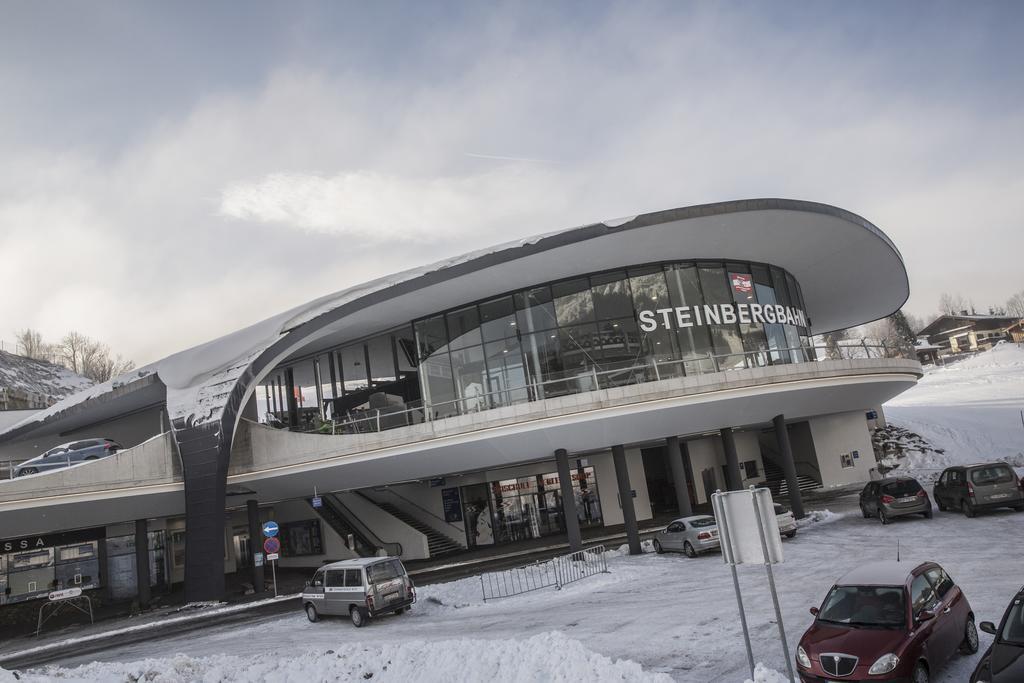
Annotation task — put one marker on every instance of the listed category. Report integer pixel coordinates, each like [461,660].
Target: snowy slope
[970,409]
[22,374]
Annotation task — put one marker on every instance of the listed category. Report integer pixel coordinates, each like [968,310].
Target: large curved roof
[849,270]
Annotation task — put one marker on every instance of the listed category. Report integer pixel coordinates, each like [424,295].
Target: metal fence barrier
[558,571]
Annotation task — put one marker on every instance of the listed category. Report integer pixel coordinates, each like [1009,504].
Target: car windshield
[702,522]
[996,474]
[901,488]
[1013,629]
[383,571]
[873,606]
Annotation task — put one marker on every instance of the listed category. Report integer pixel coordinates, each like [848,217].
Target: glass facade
[606,329]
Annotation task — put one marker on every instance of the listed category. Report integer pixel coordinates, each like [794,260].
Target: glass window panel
[438,388]
[506,375]
[463,327]
[405,339]
[323,367]
[431,335]
[776,336]
[725,336]
[620,343]
[649,288]
[304,377]
[574,303]
[498,319]
[692,342]
[578,345]
[535,309]
[779,283]
[468,369]
[353,367]
[543,363]
[612,298]
[382,360]
[795,296]
[741,282]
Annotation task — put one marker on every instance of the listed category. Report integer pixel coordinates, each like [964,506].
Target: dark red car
[887,621]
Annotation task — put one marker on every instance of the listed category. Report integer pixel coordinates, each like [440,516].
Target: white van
[361,588]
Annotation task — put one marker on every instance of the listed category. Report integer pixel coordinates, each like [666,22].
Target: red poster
[741,284]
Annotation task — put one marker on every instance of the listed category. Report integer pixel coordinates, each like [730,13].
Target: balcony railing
[592,379]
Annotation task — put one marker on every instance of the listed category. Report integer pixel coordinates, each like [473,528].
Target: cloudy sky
[172,171]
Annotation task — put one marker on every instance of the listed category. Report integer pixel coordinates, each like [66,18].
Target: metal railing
[558,571]
[593,378]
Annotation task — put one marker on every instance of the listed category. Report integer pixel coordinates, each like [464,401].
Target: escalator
[357,536]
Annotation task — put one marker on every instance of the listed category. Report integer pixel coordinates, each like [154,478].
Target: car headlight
[801,657]
[884,664]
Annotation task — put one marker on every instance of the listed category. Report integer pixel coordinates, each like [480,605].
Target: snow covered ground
[652,617]
[971,409]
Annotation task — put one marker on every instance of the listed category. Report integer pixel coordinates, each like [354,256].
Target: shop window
[463,328]
[353,368]
[694,343]
[468,370]
[535,310]
[612,298]
[573,301]
[382,360]
[431,335]
[498,319]
[725,337]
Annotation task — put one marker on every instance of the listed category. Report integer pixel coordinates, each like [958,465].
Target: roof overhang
[849,270]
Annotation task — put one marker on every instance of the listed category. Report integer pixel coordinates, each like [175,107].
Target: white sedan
[786,521]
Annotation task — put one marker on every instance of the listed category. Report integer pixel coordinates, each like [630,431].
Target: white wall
[842,433]
[608,488]
[423,502]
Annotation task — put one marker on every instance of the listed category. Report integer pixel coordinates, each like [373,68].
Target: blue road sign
[318,502]
[270,529]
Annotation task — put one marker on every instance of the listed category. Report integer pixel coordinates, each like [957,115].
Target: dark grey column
[255,543]
[142,563]
[675,449]
[796,501]
[732,461]
[626,498]
[572,522]
[293,404]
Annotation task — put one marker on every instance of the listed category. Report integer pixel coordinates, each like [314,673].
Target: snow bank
[819,517]
[969,409]
[6,676]
[763,674]
[544,657]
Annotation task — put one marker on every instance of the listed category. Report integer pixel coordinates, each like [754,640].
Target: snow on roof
[31,376]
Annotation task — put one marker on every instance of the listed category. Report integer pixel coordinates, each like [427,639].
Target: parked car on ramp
[1003,662]
[68,454]
[887,621]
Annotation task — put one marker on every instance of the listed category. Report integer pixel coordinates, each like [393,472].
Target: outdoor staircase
[775,479]
[439,544]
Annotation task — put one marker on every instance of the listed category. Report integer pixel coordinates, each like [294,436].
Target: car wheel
[91,457]
[863,511]
[688,549]
[27,470]
[401,610]
[791,534]
[359,617]
[311,613]
[657,547]
[970,643]
[882,517]
[1019,508]
[920,673]
[967,508]
[942,506]
[928,514]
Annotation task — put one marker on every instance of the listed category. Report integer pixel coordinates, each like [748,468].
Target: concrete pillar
[675,449]
[796,502]
[626,498]
[733,479]
[142,563]
[255,543]
[572,521]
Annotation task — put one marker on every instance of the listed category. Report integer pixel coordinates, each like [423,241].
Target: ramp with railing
[556,572]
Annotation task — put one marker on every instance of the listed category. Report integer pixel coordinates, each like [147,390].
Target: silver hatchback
[690,535]
[360,588]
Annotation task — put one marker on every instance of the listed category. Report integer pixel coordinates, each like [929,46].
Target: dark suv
[970,488]
[1004,660]
[887,621]
[895,497]
[68,454]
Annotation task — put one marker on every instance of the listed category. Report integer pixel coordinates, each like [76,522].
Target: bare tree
[98,366]
[73,349]
[952,304]
[1015,305]
[31,345]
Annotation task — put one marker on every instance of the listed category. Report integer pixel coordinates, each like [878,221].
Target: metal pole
[771,583]
[726,544]
[273,570]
